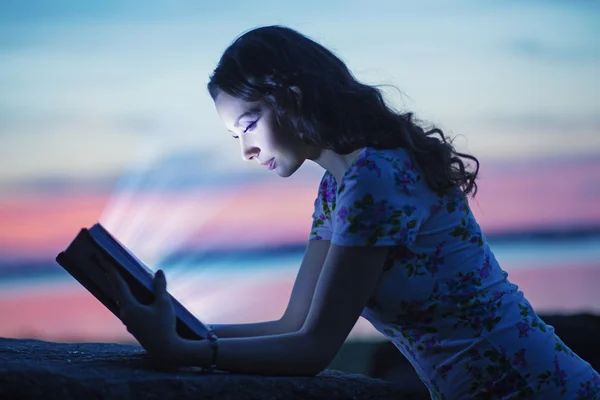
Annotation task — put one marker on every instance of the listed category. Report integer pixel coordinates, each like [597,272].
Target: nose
[249,152]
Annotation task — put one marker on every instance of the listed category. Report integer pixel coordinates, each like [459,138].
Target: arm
[382,208]
[248,330]
[348,278]
[299,303]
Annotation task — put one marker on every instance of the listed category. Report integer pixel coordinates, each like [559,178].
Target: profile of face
[261,138]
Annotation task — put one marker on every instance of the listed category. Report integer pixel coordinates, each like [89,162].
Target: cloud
[31,120]
[540,122]
[554,52]
[179,171]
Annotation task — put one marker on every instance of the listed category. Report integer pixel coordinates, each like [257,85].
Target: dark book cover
[81,260]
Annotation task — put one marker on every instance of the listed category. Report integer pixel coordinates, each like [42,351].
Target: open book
[81,260]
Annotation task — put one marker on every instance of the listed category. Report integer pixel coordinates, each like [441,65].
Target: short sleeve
[379,204]
[324,204]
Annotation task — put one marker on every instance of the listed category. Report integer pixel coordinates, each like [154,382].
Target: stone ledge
[33,369]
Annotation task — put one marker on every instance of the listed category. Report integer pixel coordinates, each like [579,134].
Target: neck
[336,164]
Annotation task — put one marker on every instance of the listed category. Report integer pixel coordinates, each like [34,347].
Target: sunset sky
[104,116]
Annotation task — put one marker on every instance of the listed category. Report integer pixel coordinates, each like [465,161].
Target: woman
[393,240]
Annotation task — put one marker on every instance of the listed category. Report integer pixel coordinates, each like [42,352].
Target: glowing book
[81,260]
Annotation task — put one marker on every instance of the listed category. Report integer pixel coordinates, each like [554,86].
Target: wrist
[213,341]
[197,353]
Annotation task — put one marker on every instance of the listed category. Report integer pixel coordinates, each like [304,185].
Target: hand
[152,325]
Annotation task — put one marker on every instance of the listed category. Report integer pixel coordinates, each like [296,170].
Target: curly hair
[313,93]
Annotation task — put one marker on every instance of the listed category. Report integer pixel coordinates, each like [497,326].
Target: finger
[160,282]
[160,288]
[121,289]
[110,275]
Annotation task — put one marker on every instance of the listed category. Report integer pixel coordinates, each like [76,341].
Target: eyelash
[248,128]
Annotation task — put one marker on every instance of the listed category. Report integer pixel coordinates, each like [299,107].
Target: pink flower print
[361,162]
[331,194]
[431,344]
[559,374]
[524,329]
[370,165]
[328,194]
[465,279]
[519,359]
[502,351]
[586,391]
[380,212]
[327,190]
[484,272]
[403,177]
[343,213]
[411,352]
[443,370]
[402,237]
[474,354]
[418,334]
[451,283]
[436,259]
[497,295]
[476,372]
[435,208]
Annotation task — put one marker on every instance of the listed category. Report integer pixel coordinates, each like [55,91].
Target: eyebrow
[250,112]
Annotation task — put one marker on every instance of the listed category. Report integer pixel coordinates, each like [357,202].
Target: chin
[285,171]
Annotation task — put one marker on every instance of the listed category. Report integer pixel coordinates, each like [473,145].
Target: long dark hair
[315,95]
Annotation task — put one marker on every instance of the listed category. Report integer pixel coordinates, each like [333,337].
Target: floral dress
[442,298]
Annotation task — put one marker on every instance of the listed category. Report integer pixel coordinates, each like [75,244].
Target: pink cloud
[526,196]
[511,197]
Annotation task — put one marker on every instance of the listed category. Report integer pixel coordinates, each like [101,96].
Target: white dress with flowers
[442,298]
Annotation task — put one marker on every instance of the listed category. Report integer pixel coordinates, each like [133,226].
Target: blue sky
[87,87]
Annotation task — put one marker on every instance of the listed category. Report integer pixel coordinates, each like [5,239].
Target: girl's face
[261,139]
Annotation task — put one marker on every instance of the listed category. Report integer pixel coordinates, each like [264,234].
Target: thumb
[161,298]
[160,284]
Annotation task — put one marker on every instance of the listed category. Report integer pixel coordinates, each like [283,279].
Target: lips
[270,164]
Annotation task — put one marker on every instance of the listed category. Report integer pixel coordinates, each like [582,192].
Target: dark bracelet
[214,345]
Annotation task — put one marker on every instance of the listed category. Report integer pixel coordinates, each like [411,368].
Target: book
[82,258]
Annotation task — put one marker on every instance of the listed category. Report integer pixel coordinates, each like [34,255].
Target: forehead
[230,108]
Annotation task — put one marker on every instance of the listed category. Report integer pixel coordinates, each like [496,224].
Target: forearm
[251,330]
[283,354]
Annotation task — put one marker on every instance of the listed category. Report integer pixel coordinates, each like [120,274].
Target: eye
[251,126]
